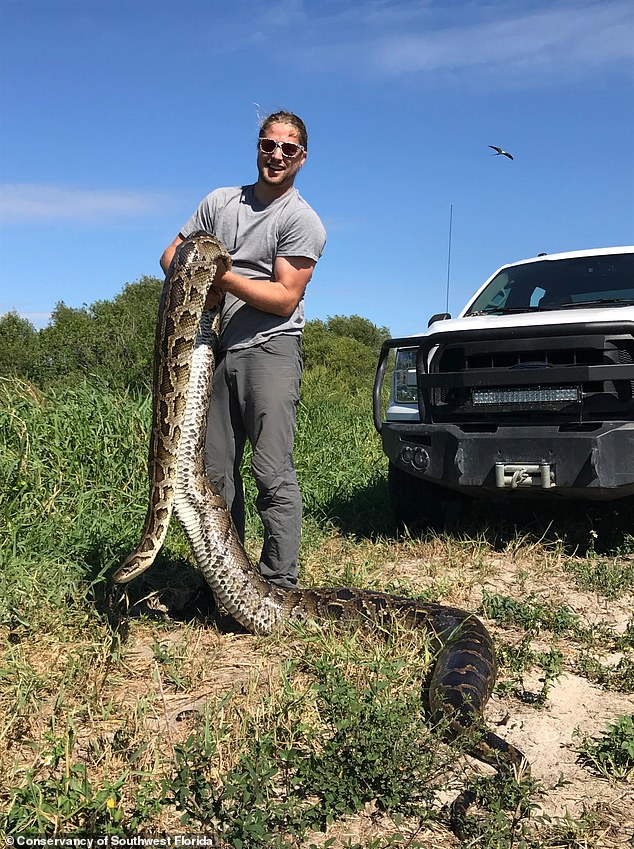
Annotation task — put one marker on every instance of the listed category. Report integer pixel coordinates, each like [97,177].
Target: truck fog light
[421,459]
[407,454]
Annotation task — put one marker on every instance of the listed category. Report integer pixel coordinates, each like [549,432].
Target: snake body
[464,671]
[176,356]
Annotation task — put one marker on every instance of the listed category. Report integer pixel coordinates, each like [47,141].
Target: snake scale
[464,671]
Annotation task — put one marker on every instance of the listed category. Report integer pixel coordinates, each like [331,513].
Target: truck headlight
[405,385]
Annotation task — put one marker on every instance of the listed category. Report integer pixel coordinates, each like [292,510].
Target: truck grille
[565,378]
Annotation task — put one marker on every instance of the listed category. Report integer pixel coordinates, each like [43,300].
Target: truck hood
[570,316]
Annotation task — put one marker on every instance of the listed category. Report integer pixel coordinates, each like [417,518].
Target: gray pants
[255,397]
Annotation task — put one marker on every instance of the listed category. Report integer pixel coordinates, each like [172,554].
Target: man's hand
[213,298]
[216,290]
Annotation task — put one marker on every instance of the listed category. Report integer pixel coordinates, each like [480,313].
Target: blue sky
[118,116]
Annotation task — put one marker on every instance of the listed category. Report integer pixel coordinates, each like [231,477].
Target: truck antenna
[449,256]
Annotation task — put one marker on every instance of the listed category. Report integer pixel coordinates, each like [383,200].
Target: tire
[415,503]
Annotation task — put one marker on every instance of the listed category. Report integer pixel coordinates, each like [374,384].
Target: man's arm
[279,296]
[168,254]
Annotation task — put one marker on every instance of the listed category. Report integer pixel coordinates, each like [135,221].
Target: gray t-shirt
[255,235]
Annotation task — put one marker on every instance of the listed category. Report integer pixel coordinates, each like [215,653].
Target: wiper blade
[508,310]
[601,302]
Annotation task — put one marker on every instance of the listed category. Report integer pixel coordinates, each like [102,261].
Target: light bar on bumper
[527,395]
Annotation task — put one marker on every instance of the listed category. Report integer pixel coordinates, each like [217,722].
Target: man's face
[275,169]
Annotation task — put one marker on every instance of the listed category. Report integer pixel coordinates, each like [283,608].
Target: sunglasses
[289,149]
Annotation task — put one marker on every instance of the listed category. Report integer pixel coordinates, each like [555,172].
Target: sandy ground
[547,734]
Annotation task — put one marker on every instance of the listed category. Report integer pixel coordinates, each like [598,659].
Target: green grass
[610,754]
[610,578]
[72,483]
[326,723]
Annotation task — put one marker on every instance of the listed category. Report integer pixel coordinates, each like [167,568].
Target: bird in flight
[500,152]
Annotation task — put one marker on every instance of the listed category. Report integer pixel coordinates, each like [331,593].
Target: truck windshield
[606,280]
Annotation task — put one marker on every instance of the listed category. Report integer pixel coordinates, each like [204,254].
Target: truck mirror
[439,316]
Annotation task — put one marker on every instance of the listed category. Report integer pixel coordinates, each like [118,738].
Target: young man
[275,240]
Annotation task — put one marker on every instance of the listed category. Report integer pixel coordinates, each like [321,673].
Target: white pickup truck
[528,392]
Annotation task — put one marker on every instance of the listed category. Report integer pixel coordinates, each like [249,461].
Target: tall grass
[72,468]
[74,484]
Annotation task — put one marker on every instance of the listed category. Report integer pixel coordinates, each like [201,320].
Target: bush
[113,341]
[344,347]
[18,346]
[110,340]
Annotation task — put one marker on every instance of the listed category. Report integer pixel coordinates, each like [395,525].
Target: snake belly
[464,671]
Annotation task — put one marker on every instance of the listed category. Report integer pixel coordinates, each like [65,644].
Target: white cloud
[37,319]
[37,202]
[553,39]
[503,40]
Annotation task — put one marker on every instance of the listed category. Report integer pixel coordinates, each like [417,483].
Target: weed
[520,659]
[22,688]
[56,796]
[171,665]
[609,578]
[370,747]
[611,754]
[618,676]
[314,755]
[531,614]
[625,640]
[504,819]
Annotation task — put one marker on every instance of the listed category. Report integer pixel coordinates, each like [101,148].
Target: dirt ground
[547,734]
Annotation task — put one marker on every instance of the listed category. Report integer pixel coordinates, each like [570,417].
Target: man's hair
[286,118]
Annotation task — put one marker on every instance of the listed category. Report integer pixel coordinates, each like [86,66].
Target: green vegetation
[113,342]
[529,613]
[609,578]
[315,753]
[57,790]
[145,710]
[612,753]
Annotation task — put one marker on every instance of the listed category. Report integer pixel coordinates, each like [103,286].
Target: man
[275,240]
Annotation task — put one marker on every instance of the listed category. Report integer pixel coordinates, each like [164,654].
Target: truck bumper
[595,463]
